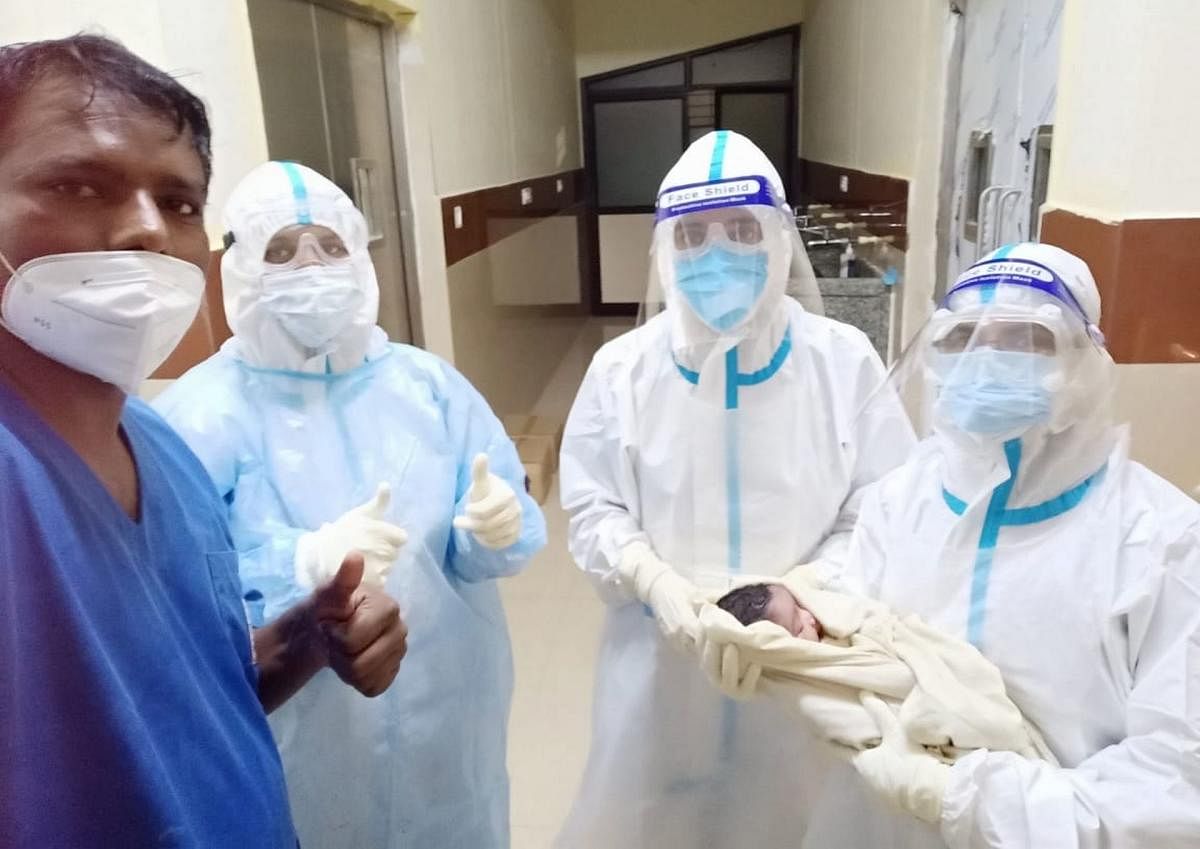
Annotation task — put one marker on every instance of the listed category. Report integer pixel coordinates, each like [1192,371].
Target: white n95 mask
[314,303]
[116,315]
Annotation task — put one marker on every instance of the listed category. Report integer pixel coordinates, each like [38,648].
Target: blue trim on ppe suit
[998,516]
[299,192]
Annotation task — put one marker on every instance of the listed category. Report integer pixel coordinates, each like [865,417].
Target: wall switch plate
[458,218]
[558,185]
[526,196]
[844,183]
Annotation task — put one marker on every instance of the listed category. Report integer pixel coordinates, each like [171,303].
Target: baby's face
[786,612]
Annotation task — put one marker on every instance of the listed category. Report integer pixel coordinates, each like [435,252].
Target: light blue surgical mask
[721,285]
[990,392]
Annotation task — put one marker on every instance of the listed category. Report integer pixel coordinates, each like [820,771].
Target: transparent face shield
[727,409]
[1008,351]
[723,255]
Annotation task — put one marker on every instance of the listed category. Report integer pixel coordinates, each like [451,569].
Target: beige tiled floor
[554,618]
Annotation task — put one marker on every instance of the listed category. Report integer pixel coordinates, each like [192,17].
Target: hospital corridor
[555,619]
[599,424]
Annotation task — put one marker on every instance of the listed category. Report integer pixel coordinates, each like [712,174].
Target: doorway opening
[327,73]
[638,120]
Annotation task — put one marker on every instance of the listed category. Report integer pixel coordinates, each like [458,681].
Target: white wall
[1124,148]
[1161,402]
[874,97]
[207,45]
[488,93]
[538,265]
[1124,138]
[501,92]
[915,298]
[625,256]
[864,62]
[430,253]
[611,34]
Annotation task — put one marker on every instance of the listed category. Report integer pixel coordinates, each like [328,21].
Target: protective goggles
[1001,334]
[702,229]
[305,244]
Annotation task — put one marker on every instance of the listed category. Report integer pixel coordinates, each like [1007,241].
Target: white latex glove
[319,553]
[722,663]
[670,596]
[900,770]
[493,513]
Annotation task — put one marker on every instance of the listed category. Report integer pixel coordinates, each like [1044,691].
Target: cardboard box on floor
[543,426]
[538,439]
[537,456]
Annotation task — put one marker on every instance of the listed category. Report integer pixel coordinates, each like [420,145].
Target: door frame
[592,294]
[390,37]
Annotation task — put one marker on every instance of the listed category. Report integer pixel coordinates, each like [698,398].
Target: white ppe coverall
[721,434]
[1074,569]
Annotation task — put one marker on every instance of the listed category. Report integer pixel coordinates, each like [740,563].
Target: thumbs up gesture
[365,638]
[320,554]
[493,511]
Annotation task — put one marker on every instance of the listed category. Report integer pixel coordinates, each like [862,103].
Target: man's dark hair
[747,604]
[104,65]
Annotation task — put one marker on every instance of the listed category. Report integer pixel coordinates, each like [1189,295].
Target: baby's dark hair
[747,604]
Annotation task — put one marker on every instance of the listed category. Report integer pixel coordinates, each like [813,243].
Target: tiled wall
[820,182]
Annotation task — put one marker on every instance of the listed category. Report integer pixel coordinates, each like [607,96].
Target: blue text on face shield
[990,392]
[722,286]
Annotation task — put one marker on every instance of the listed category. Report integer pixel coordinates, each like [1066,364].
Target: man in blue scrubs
[131,697]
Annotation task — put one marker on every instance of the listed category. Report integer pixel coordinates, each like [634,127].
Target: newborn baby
[825,649]
[772,603]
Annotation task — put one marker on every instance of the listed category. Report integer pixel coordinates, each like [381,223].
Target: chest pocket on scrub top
[227,600]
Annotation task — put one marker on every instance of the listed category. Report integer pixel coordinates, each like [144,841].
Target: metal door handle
[984,244]
[981,212]
[1015,195]
[365,173]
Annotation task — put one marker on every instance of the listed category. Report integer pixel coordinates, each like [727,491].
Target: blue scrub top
[129,714]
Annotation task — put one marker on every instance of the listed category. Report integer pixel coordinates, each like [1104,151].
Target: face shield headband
[1032,275]
[714,194]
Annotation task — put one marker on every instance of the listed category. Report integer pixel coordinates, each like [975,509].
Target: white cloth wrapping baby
[947,696]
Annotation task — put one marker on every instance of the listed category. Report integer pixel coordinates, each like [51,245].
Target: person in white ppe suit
[323,437]
[1022,525]
[718,438]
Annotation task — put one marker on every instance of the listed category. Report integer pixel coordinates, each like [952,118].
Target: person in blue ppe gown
[1022,525]
[716,441]
[323,437]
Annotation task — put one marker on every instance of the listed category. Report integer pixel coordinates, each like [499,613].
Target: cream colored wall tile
[1162,404]
[625,256]
[537,265]
[508,353]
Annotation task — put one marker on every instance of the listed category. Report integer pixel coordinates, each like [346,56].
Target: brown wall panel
[818,182]
[1148,280]
[495,213]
